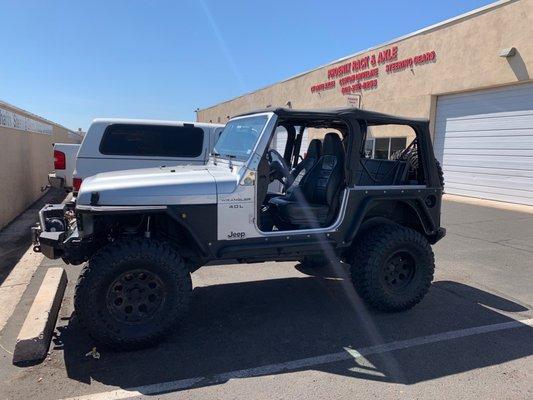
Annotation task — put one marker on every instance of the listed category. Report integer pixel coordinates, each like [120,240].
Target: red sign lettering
[322,86]
[364,78]
[339,71]
[388,55]
[360,64]
[371,73]
[424,58]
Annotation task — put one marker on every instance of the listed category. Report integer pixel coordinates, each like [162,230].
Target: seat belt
[297,146]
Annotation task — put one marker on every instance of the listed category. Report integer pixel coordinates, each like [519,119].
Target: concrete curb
[36,332]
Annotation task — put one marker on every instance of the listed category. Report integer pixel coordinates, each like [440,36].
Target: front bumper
[53,234]
[48,243]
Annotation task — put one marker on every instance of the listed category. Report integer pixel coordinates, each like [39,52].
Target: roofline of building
[4,103]
[429,28]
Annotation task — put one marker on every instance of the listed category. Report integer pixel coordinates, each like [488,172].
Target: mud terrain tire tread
[104,264]
[367,262]
[441,173]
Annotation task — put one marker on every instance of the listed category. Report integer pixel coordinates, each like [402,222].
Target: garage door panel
[488,152]
[523,194]
[498,181]
[456,112]
[500,112]
[507,99]
[489,171]
[514,142]
[511,132]
[495,162]
[503,122]
[484,140]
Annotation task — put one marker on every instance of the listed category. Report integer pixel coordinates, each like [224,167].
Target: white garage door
[484,140]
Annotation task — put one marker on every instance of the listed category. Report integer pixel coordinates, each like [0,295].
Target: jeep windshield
[239,137]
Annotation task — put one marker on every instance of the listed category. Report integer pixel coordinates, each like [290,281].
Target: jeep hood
[158,186]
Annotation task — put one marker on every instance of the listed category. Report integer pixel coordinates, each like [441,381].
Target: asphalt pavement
[277,330]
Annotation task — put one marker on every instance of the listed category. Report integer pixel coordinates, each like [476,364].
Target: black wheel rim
[399,271]
[135,296]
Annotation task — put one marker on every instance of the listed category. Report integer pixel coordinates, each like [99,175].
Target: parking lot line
[165,387]
[15,285]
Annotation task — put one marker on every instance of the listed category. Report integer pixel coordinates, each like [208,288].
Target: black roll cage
[353,124]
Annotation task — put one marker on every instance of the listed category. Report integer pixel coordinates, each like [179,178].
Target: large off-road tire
[132,293]
[392,267]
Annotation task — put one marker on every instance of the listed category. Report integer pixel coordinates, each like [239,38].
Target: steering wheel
[279,169]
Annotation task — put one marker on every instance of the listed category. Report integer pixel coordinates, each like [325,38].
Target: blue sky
[72,61]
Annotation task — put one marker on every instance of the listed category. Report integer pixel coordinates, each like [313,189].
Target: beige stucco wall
[26,158]
[467,58]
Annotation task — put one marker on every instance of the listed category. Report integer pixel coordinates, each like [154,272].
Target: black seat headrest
[332,145]
[314,150]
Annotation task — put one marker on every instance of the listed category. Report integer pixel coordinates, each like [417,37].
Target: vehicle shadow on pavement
[251,324]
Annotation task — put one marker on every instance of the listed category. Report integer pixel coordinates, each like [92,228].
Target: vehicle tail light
[60,161]
[76,183]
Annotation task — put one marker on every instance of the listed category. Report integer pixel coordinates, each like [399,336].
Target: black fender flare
[176,216]
[416,206]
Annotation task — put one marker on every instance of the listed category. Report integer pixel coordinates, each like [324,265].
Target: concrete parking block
[34,337]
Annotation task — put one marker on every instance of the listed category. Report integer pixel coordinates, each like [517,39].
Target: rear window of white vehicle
[152,141]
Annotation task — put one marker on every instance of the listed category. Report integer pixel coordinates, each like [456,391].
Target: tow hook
[35,232]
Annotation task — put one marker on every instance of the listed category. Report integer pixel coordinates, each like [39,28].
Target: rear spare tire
[392,267]
[131,293]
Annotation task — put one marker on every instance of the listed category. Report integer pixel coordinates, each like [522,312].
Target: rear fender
[412,213]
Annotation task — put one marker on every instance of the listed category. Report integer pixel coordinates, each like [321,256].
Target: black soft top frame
[312,118]
[353,122]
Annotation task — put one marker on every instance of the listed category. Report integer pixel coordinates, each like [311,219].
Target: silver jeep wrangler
[142,232]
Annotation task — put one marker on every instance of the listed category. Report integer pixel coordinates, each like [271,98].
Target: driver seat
[312,155]
[314,201]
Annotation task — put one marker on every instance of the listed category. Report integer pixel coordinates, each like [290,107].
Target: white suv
[121,144]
